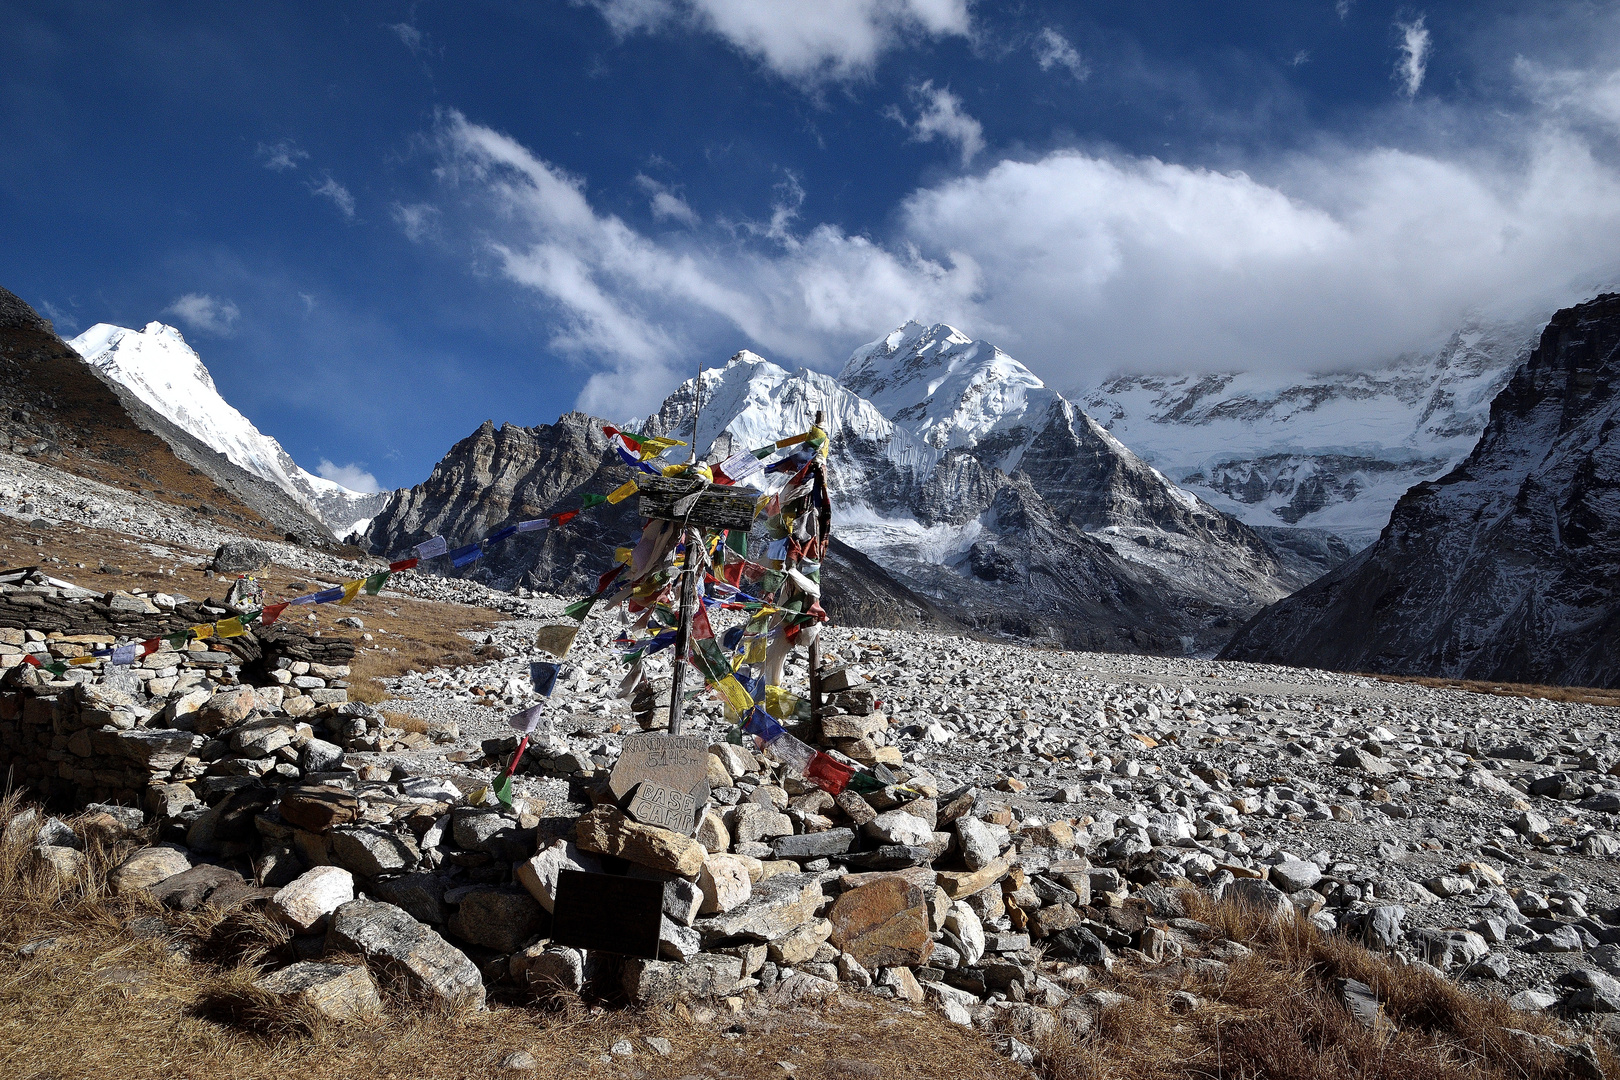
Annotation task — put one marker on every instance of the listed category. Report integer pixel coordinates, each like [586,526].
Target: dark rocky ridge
[57,408]
[1507,567]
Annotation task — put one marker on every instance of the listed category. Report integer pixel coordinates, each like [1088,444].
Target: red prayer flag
[150,646]
[273,612]
[607,579]
[558,519]
[403,564]
[827,774]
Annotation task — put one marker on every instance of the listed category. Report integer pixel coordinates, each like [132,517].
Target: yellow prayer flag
[229,628]
[779,703]
[791,440]
[651,448]
[623,492]
[623,555]
[200,632]
[79,660]
[350,589]
[735,695]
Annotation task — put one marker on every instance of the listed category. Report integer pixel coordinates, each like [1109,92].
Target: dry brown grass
[1277,1015]
[105,1002]
[1581,695]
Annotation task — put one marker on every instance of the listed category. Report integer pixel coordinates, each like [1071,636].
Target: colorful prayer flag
[465,554]
[431,547]
[402,565]
[559,519]
[623,492]
[124,654]
[527,720]
[590,499]
[828,774]
[543,677]
[534,526]
[498,535]
[374,584]
[229,628]
[273,612]
[327,596]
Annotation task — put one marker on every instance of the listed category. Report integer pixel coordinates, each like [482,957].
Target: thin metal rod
[822,527]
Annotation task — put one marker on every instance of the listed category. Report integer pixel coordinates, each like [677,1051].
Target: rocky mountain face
[1333,451]
[59,410]
[968,486]
[1507,567]
[166,374]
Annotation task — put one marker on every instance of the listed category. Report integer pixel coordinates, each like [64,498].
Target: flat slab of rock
[400,948]
[606,831]
[883,924]
[337,991]
[648,982]
[539,874]
[192,888]
[777,907]
[959,884]
[317,808]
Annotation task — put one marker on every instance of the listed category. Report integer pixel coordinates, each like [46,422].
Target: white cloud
[1414,60]
[416,220]
[805,42]
[309,301]
[940,115]
[1052,49]
[1079,263]
[331,189]
[633,305]
[1593,95]
[58,317]
[1343,8]
[413,39]
[665,204]
[207,314]
[1301,57]
[280,156]
[352,476]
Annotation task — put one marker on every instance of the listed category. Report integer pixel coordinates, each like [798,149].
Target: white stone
[306,901]
[725,882]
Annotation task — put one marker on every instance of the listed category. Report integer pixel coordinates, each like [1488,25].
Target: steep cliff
[1506,567]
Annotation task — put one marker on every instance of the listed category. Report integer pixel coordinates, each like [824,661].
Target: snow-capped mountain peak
[159,367]
[943,387]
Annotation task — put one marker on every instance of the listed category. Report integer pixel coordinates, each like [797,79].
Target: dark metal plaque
[706,506]
[613,914]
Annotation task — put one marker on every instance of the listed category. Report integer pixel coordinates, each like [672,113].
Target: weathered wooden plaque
[707,506]
[667,807]
[677,761]
[613,914]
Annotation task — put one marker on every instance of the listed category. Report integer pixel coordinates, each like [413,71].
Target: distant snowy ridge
[157,366]
[1332,451]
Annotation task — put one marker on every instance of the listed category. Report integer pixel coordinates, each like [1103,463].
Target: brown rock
[606,831]
[317,809]
[962,883]
[226,708]
[882,924]
[147,867]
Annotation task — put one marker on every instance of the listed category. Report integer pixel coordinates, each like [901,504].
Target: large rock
[1257,895]
[539,874]
[899,827]
[240,557]
[813,845]
[402,949]
[977,841]
[369,851]
[318,809]
[883,924]
[421,895]
[225,709]
[306,901]
[336,991]
[649,982]
[725,884]
[148,867]
[606,831]
[157,750]
[497,918]
[778,905]
[192,888]
[1292,875]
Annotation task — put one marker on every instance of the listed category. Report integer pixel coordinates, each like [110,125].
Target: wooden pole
[815,645]
[683,630]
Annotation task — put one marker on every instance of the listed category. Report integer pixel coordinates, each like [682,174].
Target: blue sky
[382,223]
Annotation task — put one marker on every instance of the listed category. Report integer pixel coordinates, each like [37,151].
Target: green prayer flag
[864,783]
[580,608]
[737,540]
[374,584]
[764,452]
[590,499]
[503,791]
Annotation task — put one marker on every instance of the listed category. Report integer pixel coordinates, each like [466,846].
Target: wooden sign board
[677,761]
[612,914]
[706,506]
[667,807]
